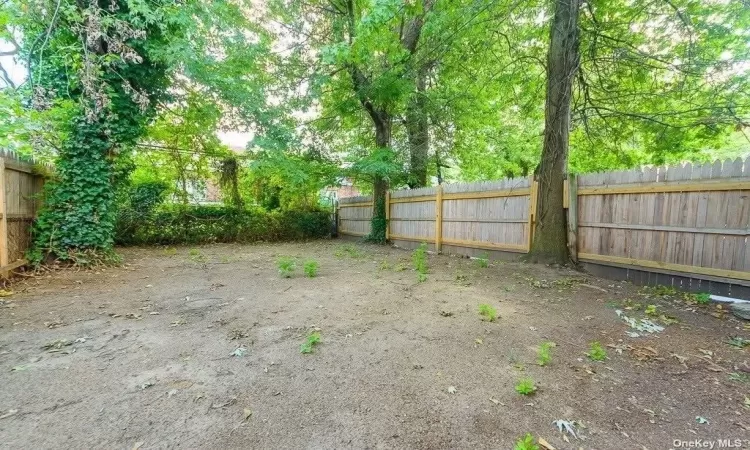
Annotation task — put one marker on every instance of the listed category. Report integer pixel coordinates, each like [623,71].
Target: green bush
[177,224]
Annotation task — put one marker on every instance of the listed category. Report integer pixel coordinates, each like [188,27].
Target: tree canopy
[388,93]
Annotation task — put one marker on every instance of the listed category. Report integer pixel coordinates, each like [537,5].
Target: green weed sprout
[483,261]
[596,352]
[311,341]
[526,443]
[311,268]
[419,259]
[286,267]
[526,387]
[544,354]
[487,312]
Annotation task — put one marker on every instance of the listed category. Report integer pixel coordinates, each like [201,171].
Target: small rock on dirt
[741,310]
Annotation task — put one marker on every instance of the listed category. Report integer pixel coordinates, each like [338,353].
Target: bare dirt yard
[200,348]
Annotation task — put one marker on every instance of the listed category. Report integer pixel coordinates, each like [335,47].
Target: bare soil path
[200,348]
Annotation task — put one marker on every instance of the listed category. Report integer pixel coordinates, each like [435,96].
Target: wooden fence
[688,220]
[19,201]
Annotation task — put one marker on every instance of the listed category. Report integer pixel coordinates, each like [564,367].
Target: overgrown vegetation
[487,312]
[173,224]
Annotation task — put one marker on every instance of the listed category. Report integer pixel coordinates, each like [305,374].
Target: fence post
[3,221]
[532,210]
[439,219]
[573,216]
[387,215]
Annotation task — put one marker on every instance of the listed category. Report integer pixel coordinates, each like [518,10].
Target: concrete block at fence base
[741,310]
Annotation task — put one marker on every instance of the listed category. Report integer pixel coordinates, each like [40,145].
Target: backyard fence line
[19,202]
[686,220]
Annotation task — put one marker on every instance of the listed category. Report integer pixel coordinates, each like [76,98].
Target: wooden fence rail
[687,220]
[19,202]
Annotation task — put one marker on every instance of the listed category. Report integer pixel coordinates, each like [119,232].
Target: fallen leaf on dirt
[644,353]
[478,341]
[171,393]
[154,313]
[565,426]
[446,313]
[743,426]
[4,293]
[18,368]
[177,323]
[738,342]
[9,413]
[701,420]
[747,402]
[239,352]
[146,385]
[452,389]
[247,413]
[133,316]
[495,401]
[137,445]
[545,444]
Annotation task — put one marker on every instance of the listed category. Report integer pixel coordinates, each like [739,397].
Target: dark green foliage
[378,224]
[206,224]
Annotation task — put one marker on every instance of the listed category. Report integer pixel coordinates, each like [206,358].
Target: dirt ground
[150,355]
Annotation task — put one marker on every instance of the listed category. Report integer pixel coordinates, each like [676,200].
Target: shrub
[177,224]
[311,268]
[487,312]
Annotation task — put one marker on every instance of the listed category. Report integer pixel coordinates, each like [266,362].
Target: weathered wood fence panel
[691,219]
[354,215]
[688,220]
[19,202]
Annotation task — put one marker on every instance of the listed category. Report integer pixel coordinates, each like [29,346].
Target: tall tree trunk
[378,222]
[550,243]
[418,132]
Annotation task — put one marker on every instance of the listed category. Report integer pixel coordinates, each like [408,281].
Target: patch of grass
[702,299]
[740,377]
[400,267]
[196,255]
[311,268]
[170,251]
[419,260]
[311,341]
[286,267]
[596,352]
[526,386]
[483,261]
[526,443]
[349,250]
[544,354]
[738,342]
[651,310]
[487,312]
[660,291]
[384,265]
